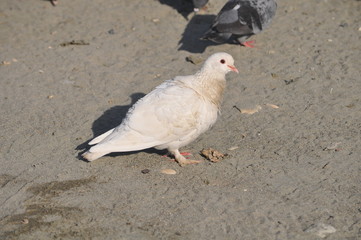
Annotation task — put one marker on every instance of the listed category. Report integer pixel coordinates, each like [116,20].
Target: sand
[70,72]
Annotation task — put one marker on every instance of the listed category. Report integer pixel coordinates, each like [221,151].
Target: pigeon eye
[222,61]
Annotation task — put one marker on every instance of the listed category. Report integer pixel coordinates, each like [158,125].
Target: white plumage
[172,115]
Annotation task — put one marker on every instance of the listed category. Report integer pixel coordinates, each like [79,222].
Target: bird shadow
[114,116]
[195,29]
[183,7]
[110,119]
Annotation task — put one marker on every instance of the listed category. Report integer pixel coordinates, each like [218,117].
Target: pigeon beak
[233,68]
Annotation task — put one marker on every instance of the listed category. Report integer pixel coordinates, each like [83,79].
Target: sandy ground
[291,172]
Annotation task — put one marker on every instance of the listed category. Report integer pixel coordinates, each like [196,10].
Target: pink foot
[248,44]
[186,153]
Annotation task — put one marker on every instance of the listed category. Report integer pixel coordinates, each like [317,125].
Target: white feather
[172,115]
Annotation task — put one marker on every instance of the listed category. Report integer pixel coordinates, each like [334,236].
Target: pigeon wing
[238,17]
[166,114]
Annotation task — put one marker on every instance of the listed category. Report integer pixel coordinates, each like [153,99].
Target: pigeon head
[220,62]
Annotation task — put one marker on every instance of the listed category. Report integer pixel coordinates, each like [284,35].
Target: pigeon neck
[211,85]
[208,71]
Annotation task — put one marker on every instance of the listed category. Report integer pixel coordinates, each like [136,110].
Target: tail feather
[91,156]
[101,137]
[216,36]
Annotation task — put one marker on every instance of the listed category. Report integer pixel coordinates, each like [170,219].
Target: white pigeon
[172,115]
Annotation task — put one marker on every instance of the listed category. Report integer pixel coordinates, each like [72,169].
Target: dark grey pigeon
[240,19]
[198,4]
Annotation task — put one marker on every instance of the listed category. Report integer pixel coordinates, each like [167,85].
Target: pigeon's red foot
[248,44]
[186,153]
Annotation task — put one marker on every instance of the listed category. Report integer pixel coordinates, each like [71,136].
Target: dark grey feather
[240,19]
[199,3]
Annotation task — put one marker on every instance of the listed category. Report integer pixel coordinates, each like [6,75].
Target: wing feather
[165,115]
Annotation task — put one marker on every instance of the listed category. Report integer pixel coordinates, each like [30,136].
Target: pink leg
[182,161]
[248,44]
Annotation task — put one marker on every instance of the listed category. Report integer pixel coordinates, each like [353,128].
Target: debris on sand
[272,105]
[321,229]
[5,63]
[25,221]
[232,148]
[249,110]
[74,42]
[213,155]
[194,59]
[274,75]
[333,146]
[168,171]
[145,171]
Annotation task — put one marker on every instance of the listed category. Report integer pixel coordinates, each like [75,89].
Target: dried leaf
[272,105]
[321,229]
[232,148]
[251,110]
[25,221]
[213,155]
[5,63]
[332,146]
[168,171]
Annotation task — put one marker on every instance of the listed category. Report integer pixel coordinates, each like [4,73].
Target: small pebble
[145,171]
